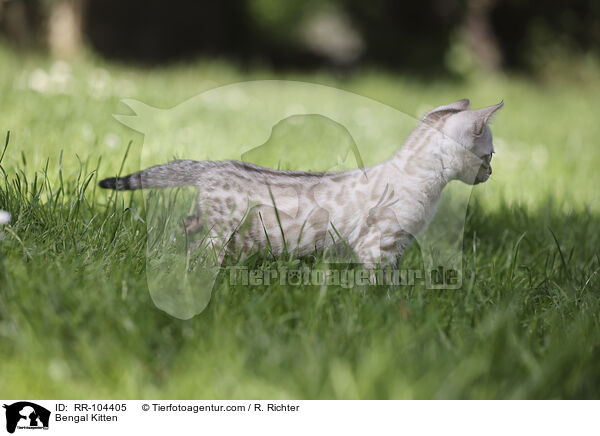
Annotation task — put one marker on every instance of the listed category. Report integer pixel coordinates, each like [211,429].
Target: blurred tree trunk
[479,34]
[17,22]
[64,36]
[53,24]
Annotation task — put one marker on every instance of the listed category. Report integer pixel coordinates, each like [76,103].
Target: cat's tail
[175,173]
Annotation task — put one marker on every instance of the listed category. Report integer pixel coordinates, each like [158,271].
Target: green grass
[77,320]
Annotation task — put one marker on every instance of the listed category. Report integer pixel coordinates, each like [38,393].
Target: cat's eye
[487,157]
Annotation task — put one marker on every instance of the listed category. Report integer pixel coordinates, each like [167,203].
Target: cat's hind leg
[192,224]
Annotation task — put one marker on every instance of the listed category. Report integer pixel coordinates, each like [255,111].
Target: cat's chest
[411,206]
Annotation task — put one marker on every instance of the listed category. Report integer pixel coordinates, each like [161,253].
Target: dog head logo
[26,415]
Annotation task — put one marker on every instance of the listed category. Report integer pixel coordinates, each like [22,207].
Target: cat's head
[466,140]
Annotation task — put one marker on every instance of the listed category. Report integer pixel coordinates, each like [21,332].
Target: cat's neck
[420,164]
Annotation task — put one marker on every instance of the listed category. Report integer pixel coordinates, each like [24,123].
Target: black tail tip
[109,183]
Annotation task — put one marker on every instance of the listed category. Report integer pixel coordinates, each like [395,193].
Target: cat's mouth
[484,173]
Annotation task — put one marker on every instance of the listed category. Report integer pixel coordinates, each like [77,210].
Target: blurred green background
[74,305]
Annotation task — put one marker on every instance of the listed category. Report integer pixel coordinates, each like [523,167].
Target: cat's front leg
[383,248]
[372,251]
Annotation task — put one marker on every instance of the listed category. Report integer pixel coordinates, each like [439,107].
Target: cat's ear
[460,105]
[456,107]
[481,117]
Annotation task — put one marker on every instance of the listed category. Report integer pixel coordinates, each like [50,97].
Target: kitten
[376,211]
